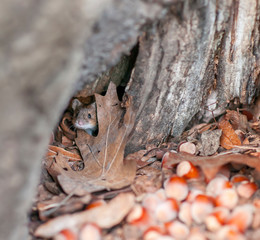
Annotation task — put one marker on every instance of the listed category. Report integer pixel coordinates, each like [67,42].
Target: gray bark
[200,47]
[197,46]
[40,53]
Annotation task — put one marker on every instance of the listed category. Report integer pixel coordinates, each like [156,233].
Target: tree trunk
[201,50]
[197,48]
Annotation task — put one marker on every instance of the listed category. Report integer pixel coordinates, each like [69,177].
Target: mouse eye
[89,115]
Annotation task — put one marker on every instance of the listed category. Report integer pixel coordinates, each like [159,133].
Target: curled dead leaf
[103,155]
[255,126]
[66,124]
[60,205]
[237,119]
[199,129]
[54,151]
[105,216]
[229,138]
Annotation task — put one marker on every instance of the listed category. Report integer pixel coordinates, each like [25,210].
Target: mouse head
[85,116]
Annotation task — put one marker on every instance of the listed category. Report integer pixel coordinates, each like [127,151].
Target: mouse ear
[93,104]
[75,104]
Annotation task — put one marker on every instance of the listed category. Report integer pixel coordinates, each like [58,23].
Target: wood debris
[205,186]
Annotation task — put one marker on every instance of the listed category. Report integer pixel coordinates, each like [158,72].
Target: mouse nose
[80,122]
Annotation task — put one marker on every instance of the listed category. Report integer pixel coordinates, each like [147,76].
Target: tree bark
[198,47]
[40,53]
[201,50]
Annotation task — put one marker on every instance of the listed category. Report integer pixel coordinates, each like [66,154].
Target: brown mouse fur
[85,116]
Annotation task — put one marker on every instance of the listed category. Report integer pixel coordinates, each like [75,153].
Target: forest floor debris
[204,186]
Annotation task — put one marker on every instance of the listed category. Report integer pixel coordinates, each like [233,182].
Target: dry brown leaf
[140,157]
[54,151]
[210,165]
[245,141]
[254,140]
[248,113]
[52,187]
[233,117]
[255,126]
[105,216]
[137,156]
[66,124]
[43,193]
[200,128]
[71,181]
[229,138]
[58,205]
[66,142]
[103,155]
[111,194]
[238,120]
[147,183]
[77,186]
[150,154]
[210,142]
[57,134]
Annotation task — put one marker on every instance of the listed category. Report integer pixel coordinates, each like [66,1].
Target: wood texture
[197,47]
[40,54]
[200,47]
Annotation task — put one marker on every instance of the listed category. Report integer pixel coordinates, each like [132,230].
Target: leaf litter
[103,155]
[135,188]
[105,216]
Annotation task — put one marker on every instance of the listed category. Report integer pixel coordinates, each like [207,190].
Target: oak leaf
[103,155]
[104,216]
[54,151]
[229,138]
[237,120]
